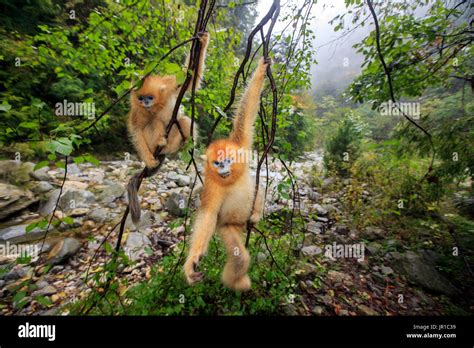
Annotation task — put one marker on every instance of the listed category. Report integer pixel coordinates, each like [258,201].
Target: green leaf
[43,300]
[5,106]
[40,165]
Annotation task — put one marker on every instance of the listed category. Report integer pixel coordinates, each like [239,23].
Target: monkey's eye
[140,98]
[216,163]
[150,97]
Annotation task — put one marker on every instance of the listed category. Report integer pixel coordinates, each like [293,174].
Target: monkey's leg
[175,140]
[204,39]
[258,206]
[155,135]
[203,229]
[235,275]
[142,148]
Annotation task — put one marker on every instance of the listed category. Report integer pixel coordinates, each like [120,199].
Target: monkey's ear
[204,158]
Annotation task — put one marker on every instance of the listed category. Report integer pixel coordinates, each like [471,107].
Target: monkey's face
[223,162]
[155,92]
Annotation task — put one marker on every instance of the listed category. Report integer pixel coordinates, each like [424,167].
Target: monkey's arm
[257,211]
[204,39]
[203,229]
[141,146]
[242,132]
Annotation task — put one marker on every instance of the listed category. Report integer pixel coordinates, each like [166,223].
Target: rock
[63,250]
[135,245]
[173,176]
[41,187]
[314,227]
[339,277]
[41,174]
[17,234]
[15,172]
[111,192]
[75,198]
[79,212]
[183,180]
[365,310]
[374,247]
[320,209]
[99,215]
[317,310]
[18,272]
[47,207]
[372,233]
[322,219]
[14,199]
[261,256]
[326,299]
[341,229]
[305,269]
[176,204]
[419,271]
[75,185]
[72,169]
[311,250]
[386,270]
[46,291]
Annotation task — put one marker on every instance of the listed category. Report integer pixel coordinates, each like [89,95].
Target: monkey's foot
[162,142]
[255,217]
[151,163]
[190,270]
[240,284]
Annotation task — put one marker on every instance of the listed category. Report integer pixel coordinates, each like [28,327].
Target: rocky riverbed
[385,278]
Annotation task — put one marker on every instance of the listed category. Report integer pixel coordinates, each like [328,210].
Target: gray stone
[311,250]
[41,174]
[386,270]
[176,204]
[320,209]
[135,245]
[111,192]
[14,199]
[46,291]
[372,233]
[339,277]
[314,227]
[261,256]
[18,272]
[15,234]
[47,207]
[75,198]
[183,180]
[172,176]
[15,172]
[63,250]
[99,215]
[419,271]
[72,169]
[42,187]
[374,247]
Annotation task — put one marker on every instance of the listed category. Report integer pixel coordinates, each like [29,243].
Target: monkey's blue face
[146,100]
[223,167]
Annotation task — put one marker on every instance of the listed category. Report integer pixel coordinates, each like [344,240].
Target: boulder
[41,174]
[135,245]
[176,204]
[14,199]
[420,271]
[16,234]
[63,250]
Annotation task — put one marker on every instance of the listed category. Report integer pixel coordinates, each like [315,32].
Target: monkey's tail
[133,203]
[134,185]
